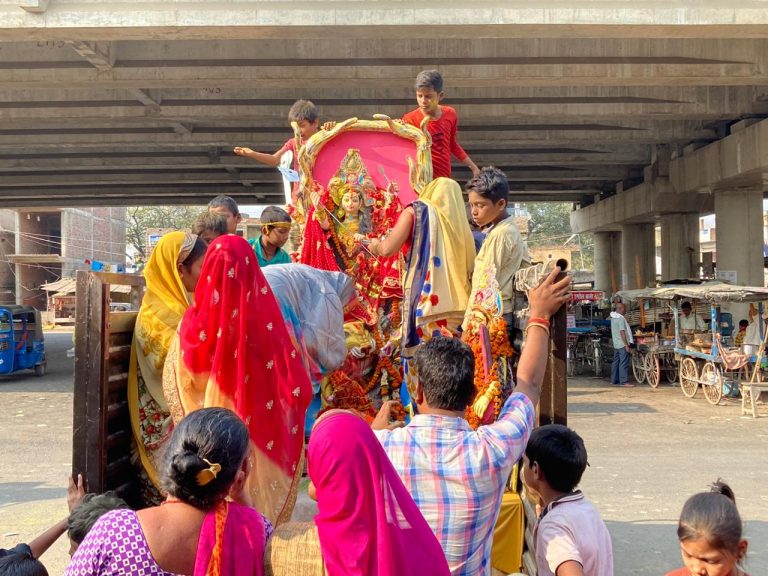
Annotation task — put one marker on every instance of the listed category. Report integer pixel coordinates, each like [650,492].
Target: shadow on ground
[12,493]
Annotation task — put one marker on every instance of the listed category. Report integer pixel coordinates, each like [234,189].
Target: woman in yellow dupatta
[170,275]
[440,261]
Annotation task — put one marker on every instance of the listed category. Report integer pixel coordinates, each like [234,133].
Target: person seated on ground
[457,475]
[689,320]
[209,225]
[206,524]
[233,350]
[24,554]
[21,564]
[571,538]
[367,522]
[710,533]
[85,515]
[275,230]
[227,207]
[171,276]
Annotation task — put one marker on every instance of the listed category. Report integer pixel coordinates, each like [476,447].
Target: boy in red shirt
[442,124]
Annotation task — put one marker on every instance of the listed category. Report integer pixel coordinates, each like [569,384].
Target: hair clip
[209,474]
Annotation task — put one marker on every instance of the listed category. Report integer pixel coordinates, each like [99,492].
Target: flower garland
[500,349]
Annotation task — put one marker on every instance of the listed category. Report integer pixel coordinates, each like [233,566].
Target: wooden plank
[122,322]
[553,406]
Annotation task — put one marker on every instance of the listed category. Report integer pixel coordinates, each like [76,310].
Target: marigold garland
[500,349]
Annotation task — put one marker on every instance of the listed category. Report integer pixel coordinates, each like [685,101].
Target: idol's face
[351,202]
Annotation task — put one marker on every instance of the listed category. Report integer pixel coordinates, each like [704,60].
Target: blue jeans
[620,366]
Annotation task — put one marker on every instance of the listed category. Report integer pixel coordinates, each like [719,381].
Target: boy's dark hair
[560,454]
[214,434]
[491,183]
[210,221]
[446,370]
[713,516]
[93,507]
[21,565]
[303,110]
[429,79]
[222,201]
[686,305]
[197,252]
[274,215]
[743,323]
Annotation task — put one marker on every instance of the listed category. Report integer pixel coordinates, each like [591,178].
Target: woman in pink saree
[205,527]
[368,524]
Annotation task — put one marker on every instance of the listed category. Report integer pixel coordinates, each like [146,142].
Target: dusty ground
[649,449]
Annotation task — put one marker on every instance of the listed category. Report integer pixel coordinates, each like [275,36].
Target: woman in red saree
[233,351]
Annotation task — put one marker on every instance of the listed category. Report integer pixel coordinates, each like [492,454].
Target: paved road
[648,450]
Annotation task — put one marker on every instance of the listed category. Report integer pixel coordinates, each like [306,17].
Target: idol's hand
[393,187]
[359,237]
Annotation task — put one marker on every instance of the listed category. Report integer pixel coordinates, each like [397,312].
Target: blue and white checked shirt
[456,476]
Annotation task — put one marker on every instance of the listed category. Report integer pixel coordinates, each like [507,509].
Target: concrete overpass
[124,102]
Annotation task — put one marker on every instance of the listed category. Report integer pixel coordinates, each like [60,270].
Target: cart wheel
[638,366]
[712,383]
[39,369]
[571,362]
[689,377]
[598,356]
[652,370]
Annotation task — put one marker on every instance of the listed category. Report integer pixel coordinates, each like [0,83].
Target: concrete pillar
[680,252]
[607,262]
[739,241]
[638,256]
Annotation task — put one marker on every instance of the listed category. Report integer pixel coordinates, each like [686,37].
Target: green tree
[550,223]
[143,218]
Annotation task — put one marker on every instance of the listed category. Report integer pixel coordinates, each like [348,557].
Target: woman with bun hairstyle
[710,533]
[204,527]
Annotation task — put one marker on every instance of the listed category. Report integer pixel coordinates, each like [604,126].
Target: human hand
[549,295]
[383,420]
[392,187]
[328,125]
[475,169]
[627,348]
[75,492]
[242,151]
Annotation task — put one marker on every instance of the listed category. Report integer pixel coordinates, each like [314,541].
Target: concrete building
[38,246]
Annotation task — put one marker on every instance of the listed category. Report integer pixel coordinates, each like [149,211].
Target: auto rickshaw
[22,346]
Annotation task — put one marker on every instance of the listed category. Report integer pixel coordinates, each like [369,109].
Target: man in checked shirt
[456,475]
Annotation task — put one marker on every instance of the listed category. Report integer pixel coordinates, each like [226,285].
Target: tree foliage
[550,223]
[144,218]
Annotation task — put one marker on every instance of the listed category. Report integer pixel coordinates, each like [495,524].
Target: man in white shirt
[689,321]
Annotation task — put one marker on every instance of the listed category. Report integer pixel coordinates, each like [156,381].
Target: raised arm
[544,301]
[264,158]
[397,236]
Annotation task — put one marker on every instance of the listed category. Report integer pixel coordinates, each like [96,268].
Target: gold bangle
[531,324]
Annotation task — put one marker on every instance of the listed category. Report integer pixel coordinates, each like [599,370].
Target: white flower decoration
[248,421]
[294,429]
[248,296]
[247,378]
[203,336]
[215,297]
[297,391]
[293,467]
[235,313]
[264,290]
[247,260]
[235,354]
[270,444]
[208,278]
[270,404]
[293,353]
[218,245]
[218,333]
[231,272]
[270,364]
[269,326]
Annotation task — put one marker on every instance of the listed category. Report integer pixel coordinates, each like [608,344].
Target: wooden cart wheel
[652,369]
[638,366]
[689,377]
[712,383]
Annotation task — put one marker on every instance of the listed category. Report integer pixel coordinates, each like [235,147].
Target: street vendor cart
[703,358]
[653,357]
